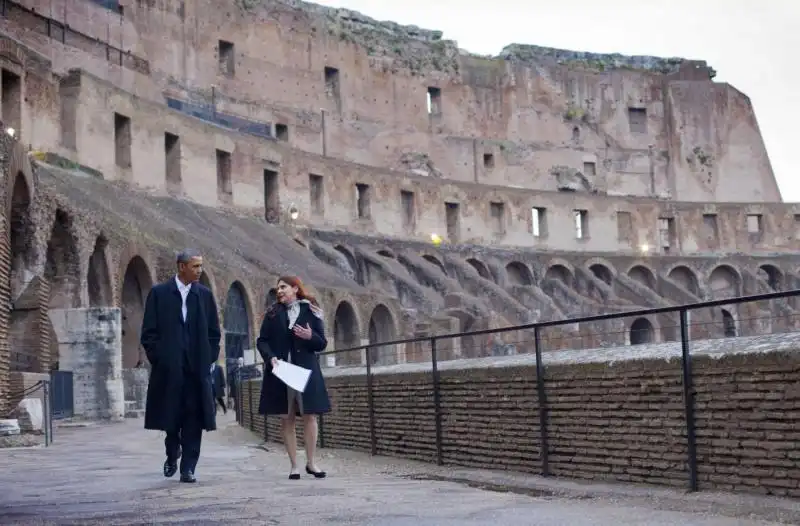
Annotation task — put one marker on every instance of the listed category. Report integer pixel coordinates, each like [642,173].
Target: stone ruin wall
[67,118]
[642,126]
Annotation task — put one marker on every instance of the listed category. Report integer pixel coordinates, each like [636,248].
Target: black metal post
[437,402]
[373,439]
[688,399]
[541,395]
[239,399]
[252,426]
[47,417]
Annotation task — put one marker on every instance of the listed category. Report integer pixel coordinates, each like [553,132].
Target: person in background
[293,331]
[181,337]
[218,381]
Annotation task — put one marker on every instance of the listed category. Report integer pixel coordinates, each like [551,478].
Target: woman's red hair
[302,294]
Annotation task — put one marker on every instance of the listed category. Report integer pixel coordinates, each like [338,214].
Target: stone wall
[612,414]
[495,120]
[337,207]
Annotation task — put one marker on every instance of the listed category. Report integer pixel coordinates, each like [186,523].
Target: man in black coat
[181,335]
[218,381]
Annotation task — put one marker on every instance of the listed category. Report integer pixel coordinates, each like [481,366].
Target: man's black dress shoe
[317,474]
[188,477]
[170,468]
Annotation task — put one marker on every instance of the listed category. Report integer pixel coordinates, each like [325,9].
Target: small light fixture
[294,213]
[11,131]
[436,239]
[644,248]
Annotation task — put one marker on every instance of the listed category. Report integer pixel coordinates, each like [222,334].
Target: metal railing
[47,406]
[717,322]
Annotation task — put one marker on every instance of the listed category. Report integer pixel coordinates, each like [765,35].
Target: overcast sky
[752,45]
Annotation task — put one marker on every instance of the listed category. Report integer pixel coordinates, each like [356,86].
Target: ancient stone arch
[385,252]
[686,278]
[207,280]
[724,281]
[560,272]
[352,263]
[519,274]
[729,329]
[435,261]
[272,297]
[21,176]
[136,284]
[346,333]
[601,270]
[772,275]
[236,317]
[62,264]
[642,332]
[21,234]
[480,267]
[382,328]
[98,276]
[644,275]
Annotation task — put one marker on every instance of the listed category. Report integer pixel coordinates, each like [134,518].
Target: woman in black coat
[293,331]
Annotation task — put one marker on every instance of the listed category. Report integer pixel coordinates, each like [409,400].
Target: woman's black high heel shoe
[294,475]
[317,474]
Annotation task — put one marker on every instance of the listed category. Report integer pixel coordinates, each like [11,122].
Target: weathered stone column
[90,345]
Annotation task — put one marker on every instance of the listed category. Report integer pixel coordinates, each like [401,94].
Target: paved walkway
[111,474]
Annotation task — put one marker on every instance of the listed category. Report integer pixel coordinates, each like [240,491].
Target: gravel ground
[110,474]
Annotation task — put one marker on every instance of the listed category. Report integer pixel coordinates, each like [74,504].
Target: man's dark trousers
[189,433]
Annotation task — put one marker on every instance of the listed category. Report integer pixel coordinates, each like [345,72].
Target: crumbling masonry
[333,146]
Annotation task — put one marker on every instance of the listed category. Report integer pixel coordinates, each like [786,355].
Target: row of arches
[724,280]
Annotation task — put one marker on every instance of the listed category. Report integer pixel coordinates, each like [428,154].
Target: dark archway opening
[519,274]
[728,324]
[21,235]
[644,276]
[642,332]
[480,268]
[381,329]
[236,322]
[435,261]
[346,334]
[98,278]
[62,267]
[136,284]
[687,279]
[602,273]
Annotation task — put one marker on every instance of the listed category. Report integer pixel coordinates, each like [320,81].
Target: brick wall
[620,420]
[5,312]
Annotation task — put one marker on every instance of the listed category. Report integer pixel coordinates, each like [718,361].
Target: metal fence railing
[712,326]
[41,388]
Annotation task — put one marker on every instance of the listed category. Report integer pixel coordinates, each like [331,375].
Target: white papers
[292,375]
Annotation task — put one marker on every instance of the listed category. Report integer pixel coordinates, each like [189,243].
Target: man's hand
[274,363]
[304,333]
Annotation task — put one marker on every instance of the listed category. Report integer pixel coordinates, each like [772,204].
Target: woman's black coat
[162,334]
[278,341]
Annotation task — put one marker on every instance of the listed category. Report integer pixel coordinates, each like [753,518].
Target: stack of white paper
[292,375]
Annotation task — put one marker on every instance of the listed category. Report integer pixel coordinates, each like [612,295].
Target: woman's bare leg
[310,431]
[289,432]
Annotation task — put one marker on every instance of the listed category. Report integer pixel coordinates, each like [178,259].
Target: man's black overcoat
[162,328]
[277,340]
[219,382]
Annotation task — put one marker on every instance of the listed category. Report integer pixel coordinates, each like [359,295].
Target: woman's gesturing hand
[303,333]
